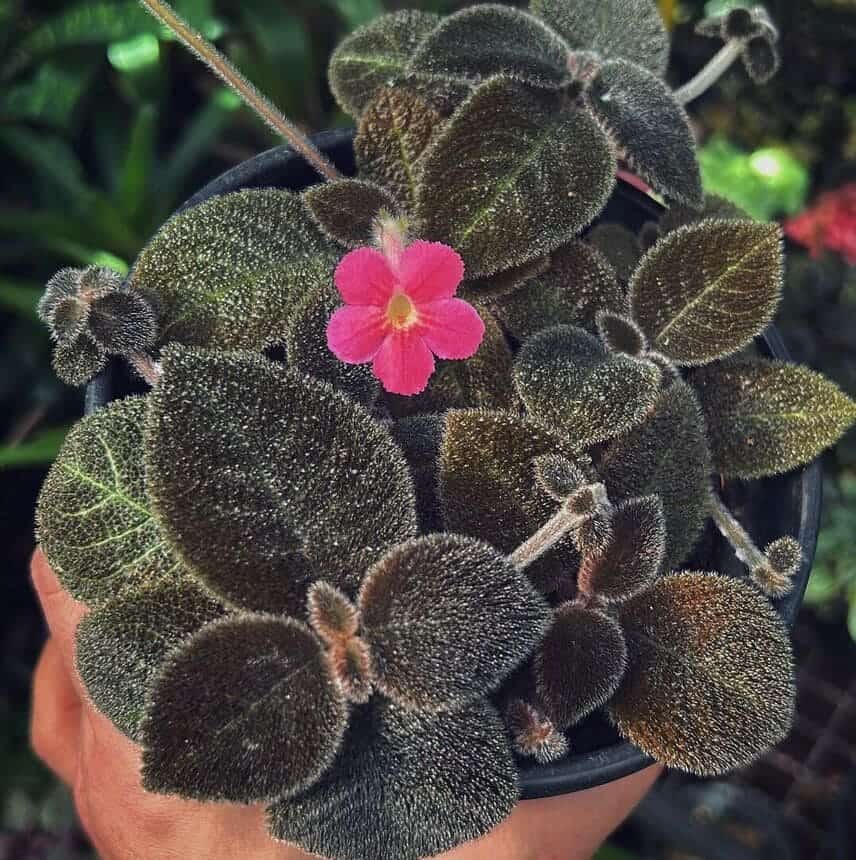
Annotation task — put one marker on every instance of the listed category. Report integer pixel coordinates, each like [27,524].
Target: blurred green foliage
[766,183]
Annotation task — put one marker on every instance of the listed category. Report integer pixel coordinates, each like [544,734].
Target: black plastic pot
[788,504]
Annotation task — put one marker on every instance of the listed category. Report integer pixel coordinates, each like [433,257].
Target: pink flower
[400,312]
[829,225]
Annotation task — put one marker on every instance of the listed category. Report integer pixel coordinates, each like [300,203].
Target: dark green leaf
[667,455]
[244,711]
[374,54]
[256,473]
[631,29]
[579,664]
[94,522]
[634,556]
[76,361]
[709,684]
[578,284]
[447,619]
[306,346]
[122,644]
[483,380]
[550,172]
[767,417]
[640,112]
[704,291]
[394,132]
[347,209]
[122,322]
[618,245]
[678,215]
[761,58]
[504,282]
[488,488]
[621,334]
[569,381]
[489,39]
[406,786]
[228,271]
[558,476]
[419,438]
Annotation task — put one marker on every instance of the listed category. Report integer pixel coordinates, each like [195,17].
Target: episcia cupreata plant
[355,584]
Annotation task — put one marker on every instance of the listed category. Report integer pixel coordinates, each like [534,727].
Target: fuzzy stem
[719,64]
[735,534]
[546,537]
[146,366]
[209,55]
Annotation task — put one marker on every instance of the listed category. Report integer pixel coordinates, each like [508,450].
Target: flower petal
[355,333]
[430,271]
[451,328]
[363,277]
[404,363]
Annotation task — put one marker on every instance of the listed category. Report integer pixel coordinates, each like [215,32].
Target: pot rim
[598,766]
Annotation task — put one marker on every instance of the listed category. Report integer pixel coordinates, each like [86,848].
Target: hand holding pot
[125,822]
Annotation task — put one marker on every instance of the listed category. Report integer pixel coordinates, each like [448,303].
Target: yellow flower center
[400,311]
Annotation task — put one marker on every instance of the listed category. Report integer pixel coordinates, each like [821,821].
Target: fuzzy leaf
[767,417]
[578,284]
[82,285]
[569,381]
[621,334]
[489,39]
[504,282]
[307,349]
[558,476]
[374,54]
[709,684]
[761,58]
[393,133]
[488,488]
[550,172]
[94,521]
[228,271]
[640,112]
[442,94]
[634,556]
[122,644]
[631,29]
[123,322]
[667,455]
[406,785]
[419,438]
[706,290]
[483,380]
[738,24]
[533,735]
[579,664]
[244,711]
[346,209]
[619,247]
[255,473]
[331,614]
[679,215]
[448,618]
[76,361]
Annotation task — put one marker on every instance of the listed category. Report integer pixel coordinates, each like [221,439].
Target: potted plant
[419,501]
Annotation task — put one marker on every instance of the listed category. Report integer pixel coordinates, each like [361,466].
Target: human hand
[124,822]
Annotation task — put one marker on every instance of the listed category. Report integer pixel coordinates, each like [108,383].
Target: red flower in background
[829,225]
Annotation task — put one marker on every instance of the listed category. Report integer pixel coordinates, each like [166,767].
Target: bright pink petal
[404,363]
[355,333]
[451,328]
[430,271]
[363,277]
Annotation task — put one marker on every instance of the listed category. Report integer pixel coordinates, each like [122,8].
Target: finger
[55,715]
[62,612]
